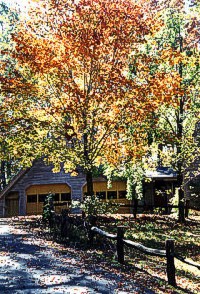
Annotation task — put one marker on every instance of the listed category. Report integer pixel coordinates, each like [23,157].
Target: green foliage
[48,210]
[8,20]
[93,206]
[135,176]
[133,173]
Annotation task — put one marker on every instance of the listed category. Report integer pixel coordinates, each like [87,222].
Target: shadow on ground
[29,266]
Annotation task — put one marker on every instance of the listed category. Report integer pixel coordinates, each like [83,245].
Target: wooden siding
[37,208]
[41,174]
[117,186]
[103,186]
[45,189]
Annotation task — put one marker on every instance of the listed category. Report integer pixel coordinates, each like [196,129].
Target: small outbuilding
[26,192]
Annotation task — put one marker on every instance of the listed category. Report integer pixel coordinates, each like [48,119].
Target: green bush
[48,210]
[93,206]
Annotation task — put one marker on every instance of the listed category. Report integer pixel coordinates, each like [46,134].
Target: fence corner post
[169,244]
[120,244]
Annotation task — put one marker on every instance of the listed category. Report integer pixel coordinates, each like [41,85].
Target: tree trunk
[181,216]
[9,170]
[3,174]
[89,180]
[134,202]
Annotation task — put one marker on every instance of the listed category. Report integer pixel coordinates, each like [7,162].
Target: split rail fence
[169,252]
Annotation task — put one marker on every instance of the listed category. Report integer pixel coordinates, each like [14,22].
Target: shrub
[48,211]
[93,206]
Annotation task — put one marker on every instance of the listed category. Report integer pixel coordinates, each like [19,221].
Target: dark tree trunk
[134,202]
[3,174]
[181,216]
[160,146]
[89,180]
[9,170]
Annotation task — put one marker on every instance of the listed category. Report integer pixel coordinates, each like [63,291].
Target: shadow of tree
[32,268]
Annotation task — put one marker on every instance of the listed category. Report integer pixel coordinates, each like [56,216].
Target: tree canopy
[72,93]
[93,82]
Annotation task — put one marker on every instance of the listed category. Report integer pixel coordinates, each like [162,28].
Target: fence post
[187,202]
[120,244]
[170,262]
[91,237]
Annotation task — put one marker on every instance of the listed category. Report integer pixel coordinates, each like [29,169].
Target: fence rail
[103,233]
[149,251]
[189,262]
[168,252]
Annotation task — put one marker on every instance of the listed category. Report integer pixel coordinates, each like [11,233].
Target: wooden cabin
[25,194]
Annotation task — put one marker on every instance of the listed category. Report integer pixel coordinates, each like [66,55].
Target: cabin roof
[14,180]
[161,172]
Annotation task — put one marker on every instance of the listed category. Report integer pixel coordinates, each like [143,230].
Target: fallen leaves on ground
[147,271]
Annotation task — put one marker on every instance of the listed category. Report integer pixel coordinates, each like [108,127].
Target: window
[112,194]
[42,197]
[66,197]
[31,198]
[101,195]
[122,194]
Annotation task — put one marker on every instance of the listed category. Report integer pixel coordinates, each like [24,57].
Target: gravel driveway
[29,265]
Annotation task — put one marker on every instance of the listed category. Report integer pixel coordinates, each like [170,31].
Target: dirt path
[29,265]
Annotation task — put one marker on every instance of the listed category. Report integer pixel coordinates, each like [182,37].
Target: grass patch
[152,231]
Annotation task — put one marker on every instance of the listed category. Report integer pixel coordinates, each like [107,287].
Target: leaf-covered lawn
[151,231]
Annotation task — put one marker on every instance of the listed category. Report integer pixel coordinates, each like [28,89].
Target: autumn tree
[8,166]
[175,123]
[70,96]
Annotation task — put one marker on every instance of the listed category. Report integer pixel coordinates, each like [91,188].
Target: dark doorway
[162,190]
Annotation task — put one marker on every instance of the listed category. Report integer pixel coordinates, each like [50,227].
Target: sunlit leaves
[86,79]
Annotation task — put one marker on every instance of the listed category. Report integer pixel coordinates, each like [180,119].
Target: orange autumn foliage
[72,63]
